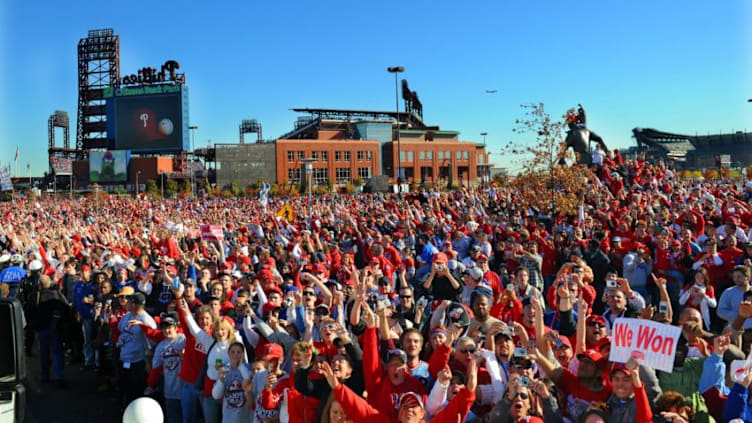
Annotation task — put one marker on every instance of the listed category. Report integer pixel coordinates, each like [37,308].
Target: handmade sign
[655,343]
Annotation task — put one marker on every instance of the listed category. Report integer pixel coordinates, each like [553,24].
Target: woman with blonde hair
[217,346]
[334,413]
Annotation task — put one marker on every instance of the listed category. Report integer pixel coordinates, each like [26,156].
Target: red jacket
[300,408]
[382,394]
[194,356]
[362,412]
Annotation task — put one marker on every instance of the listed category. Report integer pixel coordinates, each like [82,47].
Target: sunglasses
[522,366]
[329,326]
[470,350]
[321,312]
[309,293]
[522,395]
[598,324]
[405,297]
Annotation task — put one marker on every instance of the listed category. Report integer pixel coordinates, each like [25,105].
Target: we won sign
[654,343]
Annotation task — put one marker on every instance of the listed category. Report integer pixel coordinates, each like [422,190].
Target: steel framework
[98,67]
[250,126]
[59,119]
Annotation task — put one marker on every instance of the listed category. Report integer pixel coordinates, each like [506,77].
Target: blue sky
[675,66]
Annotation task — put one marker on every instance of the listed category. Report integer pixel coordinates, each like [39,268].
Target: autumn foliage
[542,182]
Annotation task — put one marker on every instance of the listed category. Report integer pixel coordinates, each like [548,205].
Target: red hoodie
[362,412]
[300,408]
[382,394]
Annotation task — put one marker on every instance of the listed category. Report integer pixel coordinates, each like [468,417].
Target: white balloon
[143,410]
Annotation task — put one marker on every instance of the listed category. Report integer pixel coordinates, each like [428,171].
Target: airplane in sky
[491,91]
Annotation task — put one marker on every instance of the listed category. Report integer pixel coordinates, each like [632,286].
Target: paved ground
[78,402]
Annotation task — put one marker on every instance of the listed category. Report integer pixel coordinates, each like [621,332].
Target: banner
[655,343]
[212,233]
[5,182]
[61,165]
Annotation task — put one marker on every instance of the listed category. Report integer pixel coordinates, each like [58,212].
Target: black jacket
[50,309]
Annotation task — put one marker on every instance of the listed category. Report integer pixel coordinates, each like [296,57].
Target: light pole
[483,134]
[308,164]
[161,178]
[193,128]
[398,174]
[137,173]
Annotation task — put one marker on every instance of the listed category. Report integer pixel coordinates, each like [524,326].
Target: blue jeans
[190,402]
[87,325]
[212,409]
[172,410]
[49,345]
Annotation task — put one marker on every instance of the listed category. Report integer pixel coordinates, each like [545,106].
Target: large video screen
[148,122]
[108,166]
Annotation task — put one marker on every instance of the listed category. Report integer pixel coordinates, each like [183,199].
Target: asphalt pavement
[77,402]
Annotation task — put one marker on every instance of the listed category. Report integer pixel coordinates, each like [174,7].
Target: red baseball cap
[268,307]
[595,317]
[410,399]
[594,355]
[440,258]
[264,275]
[482,257]
[85,267]
[619,367]
[272,351]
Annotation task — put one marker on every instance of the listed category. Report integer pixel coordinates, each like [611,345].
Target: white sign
[5,182]
[655,343]
[212,232]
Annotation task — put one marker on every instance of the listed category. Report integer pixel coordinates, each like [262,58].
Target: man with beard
[582,390]
[480,300]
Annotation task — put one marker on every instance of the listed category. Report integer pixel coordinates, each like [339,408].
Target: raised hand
[328,373]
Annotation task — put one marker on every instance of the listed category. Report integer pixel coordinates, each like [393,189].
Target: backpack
[199,384]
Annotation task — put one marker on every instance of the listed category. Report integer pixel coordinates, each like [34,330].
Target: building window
[343,175]
[402,156]
[293,175]
[369,155]
[347,156]
[448,155]
[410,156]
[441,155]
[422,155]
[364,173]
[361,155]
[338,156]
[315,155]
[290,156]
[320,176]
[465,155]
[429,155]
[459,155]
[324,156]
[301,155]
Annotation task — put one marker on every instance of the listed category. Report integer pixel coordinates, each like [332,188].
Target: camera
[288,302]
[663,307]
[611,283]
[440,267]
[524,381]
[520,352]
[383,302]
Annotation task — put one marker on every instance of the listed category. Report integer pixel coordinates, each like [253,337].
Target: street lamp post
[398,174]
[161,178]
[483,134]
[137,173]
[308,164]
[193,128]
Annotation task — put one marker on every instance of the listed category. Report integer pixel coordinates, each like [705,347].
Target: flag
[16,158]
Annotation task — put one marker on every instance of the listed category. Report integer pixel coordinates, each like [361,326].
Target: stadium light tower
[398,176]
[483,134]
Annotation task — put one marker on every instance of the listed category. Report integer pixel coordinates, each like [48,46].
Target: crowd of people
[459,306]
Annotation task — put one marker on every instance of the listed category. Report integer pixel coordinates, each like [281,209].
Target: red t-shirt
[577,396]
